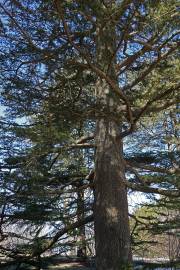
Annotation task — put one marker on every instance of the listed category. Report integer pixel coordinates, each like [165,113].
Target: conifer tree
[109,65]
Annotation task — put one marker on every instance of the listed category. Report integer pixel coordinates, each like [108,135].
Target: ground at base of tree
[69,266]
[64,266]
[63,263]
[76,266]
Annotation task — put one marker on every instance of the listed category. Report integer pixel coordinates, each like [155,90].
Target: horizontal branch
[84,139]
[147,189]
[82,145]
[153,168]
[60,233]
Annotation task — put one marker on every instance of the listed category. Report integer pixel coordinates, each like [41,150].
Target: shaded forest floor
[65,264]
[51,264]
[70,266]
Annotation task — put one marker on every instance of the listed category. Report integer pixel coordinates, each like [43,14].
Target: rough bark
[111,210]
[112,234]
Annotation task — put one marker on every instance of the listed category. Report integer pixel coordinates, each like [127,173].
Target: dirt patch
[70,266]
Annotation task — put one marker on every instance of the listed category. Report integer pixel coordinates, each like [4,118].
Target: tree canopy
[90,93]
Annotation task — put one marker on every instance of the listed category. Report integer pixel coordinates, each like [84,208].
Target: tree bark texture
[112,236]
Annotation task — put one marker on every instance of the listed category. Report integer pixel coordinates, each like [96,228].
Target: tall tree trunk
[112,236]
[111,209]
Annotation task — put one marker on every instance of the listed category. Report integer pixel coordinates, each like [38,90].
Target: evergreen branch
[49,243]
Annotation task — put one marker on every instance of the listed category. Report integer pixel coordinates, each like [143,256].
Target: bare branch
[84,139]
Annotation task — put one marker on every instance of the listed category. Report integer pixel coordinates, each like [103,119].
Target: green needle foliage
[67,66]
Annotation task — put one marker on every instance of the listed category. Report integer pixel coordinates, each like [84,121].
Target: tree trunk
[111,209]
[112,236]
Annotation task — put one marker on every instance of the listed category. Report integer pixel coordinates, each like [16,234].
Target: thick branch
[84,139]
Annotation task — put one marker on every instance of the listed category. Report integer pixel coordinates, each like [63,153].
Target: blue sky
[1,111]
